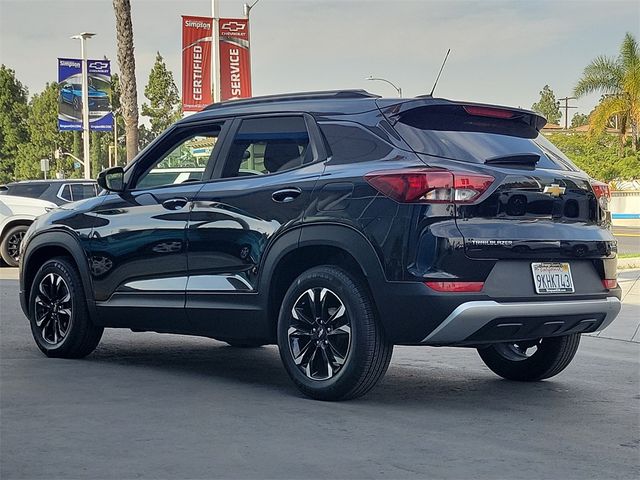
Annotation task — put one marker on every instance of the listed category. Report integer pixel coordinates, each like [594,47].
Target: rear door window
[449,132]
[80,191]
[268,145]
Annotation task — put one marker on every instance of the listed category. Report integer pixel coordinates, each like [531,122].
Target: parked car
[16,215]
[55,191]
[337,225]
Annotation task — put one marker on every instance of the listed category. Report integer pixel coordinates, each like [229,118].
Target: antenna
[439,73]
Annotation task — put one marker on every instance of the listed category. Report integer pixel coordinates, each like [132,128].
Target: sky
[502,52]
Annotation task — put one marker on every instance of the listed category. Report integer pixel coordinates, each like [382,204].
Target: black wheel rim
[53,308]
[13,245]
[517,352]
[319,334]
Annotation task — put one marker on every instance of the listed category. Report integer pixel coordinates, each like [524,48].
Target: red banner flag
[197,35]
[235,62]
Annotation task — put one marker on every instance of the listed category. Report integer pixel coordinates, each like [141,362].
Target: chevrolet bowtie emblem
[554,190]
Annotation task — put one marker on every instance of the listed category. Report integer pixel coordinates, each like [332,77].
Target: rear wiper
[518,159]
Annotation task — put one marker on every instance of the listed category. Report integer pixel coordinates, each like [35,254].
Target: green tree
[598,155]
[548,106]
[579,119]
[618,79]
[146,137]
[43,137]
[14,112]
[163,108]
[99,151]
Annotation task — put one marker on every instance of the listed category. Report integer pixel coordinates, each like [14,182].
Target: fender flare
[68,241]
[340,236]
[13,219]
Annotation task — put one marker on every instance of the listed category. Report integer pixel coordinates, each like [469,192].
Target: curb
[628,263]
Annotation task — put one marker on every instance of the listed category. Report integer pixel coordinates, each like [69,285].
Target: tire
[10,246]
[352,351]
[63,330]
[76,103]
[552,355]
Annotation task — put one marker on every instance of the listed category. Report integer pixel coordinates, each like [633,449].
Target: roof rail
[285,97]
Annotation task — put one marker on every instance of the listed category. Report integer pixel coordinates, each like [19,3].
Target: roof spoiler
[394,111]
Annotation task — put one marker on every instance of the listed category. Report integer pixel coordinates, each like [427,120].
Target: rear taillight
[429,185]
[609,283]
[602,193]
[455,286]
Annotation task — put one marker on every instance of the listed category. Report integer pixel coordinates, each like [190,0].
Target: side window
[183,161]
[80,191]
[268,145]
[65,193]
[350,143]
[31,190]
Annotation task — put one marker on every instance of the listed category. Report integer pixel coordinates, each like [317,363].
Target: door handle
[175,203]
[286,195]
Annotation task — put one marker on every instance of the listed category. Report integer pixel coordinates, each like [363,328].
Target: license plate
[552,278]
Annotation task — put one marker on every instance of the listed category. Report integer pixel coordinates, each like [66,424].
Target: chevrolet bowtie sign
[554,190]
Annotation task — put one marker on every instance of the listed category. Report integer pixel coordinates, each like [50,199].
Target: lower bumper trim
[470,317]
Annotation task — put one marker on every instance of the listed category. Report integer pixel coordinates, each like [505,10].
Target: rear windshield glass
[33,190]
[451,133]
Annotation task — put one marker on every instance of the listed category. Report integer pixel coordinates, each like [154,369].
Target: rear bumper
[478,322]
[413,314]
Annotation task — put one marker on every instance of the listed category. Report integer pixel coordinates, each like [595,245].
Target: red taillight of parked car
[430,185]
[609,283]
[602,193]
[455,286]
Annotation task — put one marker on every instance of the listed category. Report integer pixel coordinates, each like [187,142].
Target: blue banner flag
[70,98]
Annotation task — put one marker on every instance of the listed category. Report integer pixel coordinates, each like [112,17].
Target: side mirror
[112,179]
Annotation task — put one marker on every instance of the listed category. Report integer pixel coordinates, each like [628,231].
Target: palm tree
[127,63]
[618,79]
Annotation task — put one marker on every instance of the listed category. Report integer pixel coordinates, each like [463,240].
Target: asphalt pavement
[157,406]
[628,239]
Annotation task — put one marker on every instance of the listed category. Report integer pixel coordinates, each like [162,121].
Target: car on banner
[71,93]
[336,225]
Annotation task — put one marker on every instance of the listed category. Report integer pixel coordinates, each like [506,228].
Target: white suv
[16,214]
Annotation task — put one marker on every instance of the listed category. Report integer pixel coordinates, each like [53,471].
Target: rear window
[33,190]
[448,131]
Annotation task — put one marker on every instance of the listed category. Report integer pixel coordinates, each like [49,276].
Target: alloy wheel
[319,333]
[13,245]
[53,308]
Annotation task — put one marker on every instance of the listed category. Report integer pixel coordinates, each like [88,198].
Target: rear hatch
[539,205]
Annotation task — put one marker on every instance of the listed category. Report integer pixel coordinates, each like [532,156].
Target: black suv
[336,225]
[55,191]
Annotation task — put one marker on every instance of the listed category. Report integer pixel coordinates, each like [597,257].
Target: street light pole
[85,102]
[215,41]
[247,12]
[398,89]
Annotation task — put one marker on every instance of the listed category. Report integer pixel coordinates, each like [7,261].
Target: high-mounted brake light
[455,286]
[488,112]
[429,185]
